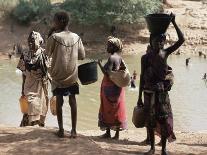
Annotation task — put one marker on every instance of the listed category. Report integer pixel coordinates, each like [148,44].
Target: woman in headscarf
[156,80]
[34,86]
[112,112]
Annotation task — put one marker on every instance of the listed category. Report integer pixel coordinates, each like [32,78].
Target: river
[188,96]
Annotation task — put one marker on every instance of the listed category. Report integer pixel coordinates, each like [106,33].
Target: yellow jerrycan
[23,104]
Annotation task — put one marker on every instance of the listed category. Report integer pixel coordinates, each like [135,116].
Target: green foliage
[30,10]
[82,11]
[87,12]
[110,12]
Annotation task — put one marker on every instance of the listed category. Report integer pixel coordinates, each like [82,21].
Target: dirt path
[36,141]
[33,141]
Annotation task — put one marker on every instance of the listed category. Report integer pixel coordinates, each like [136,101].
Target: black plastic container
[158,23]
[139,117]
[87,73]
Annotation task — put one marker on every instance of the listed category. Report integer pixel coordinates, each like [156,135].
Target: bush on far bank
[87,12]
[30,10]
[110,12]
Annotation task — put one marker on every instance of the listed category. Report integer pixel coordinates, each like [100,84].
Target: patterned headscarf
[37,37]
[116,41]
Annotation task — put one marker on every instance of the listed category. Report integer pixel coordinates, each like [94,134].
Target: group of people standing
[58,63]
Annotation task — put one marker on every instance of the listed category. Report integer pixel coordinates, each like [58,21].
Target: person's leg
[163,141]
[160,143]
[42,121]
[73,106]
[152,142]
[25,120]
[107,134]
[147,106]
[147,140]
[59,104]
[116,137]
[164,131]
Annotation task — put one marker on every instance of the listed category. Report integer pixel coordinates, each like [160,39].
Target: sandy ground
[191,17]
[42,141]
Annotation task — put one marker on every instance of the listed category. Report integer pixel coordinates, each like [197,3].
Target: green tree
[110,12]
[88,12]
[30,10]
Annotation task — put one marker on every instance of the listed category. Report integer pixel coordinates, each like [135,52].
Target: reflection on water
[188,96]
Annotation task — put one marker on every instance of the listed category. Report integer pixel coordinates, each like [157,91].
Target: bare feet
[160,143]
[60,133]
[116,137]
[105,136]
[145,142]
[73,134]
[33,123]
[164,152]
[41,124]
[150,152]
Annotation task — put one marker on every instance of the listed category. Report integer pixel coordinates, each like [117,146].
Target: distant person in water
[112,112]
[65,48]
[204,76]
[133,79]
[10,55]
[156,80]
[187,61]
[33,64]
[17,50]
[166,2]
[200,53]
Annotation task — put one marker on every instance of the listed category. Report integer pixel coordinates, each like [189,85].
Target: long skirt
[159,114]
[112,112]
[38,104]
[36,91]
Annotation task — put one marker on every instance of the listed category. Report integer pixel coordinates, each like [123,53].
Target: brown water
[188,96]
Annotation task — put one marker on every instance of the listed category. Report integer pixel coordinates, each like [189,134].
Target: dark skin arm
[180,41]
[110,66]
[141,84]
[23,81]
[102,68]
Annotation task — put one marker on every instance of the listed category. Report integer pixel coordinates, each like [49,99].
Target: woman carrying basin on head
[156,80]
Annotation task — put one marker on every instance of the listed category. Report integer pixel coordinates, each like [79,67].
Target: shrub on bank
[88,12]
[110,12]
[30,10]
